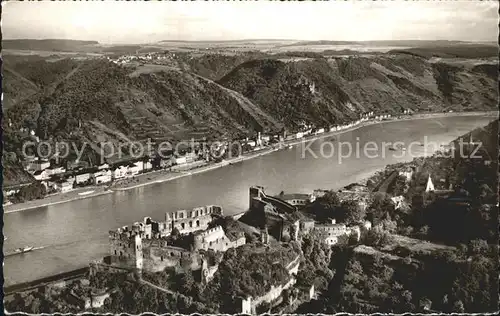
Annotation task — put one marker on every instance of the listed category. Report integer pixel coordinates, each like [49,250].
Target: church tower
[430,185]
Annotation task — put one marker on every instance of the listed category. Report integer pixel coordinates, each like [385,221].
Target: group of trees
[247,271]
[329,206]
[48,299]
[33,191]
[315,267]
[376,285]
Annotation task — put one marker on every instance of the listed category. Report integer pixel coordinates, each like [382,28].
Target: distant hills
[63,45]
[416,43]
[46,44]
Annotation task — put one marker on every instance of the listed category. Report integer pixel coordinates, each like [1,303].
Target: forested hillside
[95,100]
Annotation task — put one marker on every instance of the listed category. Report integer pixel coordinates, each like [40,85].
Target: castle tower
[294,233]
[138,252]
[255,192]
[246,306]
[204,270]
[430,185]
[198,242]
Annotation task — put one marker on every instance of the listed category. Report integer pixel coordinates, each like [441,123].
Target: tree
[377,237]
[187,283]
[35,190]
[389,225]
[458,307]
[326,205]
[399,186]
[425,304]
[380,208]
[175,232]
[423,232]
[350,212]
[478,246]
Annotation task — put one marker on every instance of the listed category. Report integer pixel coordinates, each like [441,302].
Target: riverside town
[160,158]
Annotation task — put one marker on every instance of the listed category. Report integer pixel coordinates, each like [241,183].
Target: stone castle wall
[217,240]
[158,258]
[190,221]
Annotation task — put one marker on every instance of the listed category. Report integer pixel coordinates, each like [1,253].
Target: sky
[112,22]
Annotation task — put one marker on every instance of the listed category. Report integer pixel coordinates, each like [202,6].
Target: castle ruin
[145,245]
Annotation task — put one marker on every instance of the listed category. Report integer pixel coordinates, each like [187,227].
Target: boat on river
[23,250]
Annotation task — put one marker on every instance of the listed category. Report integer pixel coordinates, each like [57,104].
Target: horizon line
[249,39]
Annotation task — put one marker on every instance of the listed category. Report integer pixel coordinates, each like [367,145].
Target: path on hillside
[21,77]
[247,105]
[156,287]
[52,88]
[24,79]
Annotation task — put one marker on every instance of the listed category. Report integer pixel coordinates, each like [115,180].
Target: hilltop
[325,90]
[46,44]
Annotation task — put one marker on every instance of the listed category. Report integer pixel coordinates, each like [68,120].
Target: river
[70,235]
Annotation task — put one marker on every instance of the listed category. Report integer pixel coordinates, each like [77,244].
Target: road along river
[69,235]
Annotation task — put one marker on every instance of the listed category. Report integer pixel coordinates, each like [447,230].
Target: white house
[148,165]
[37,165]
[55,170]
[120,172]
[65,186]
[41,175]
[398,201]
[407,174]
[331,240]
[103,167]
[179,160]
[367,225]
[320,131]
[187,158]
[135,168]
[102,176]
[251,143]
[82,177]
[299,135]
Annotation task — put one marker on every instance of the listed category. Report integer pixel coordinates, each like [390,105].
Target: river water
[70,235]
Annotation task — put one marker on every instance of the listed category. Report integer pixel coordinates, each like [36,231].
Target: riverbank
[57,199]
[165,175]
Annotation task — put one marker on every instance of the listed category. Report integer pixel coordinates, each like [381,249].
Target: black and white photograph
[250,157]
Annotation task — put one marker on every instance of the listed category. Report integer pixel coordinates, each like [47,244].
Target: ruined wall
[190,221]
[216,239]
[96,301]
[158,256]
[273,294]
[293,267]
